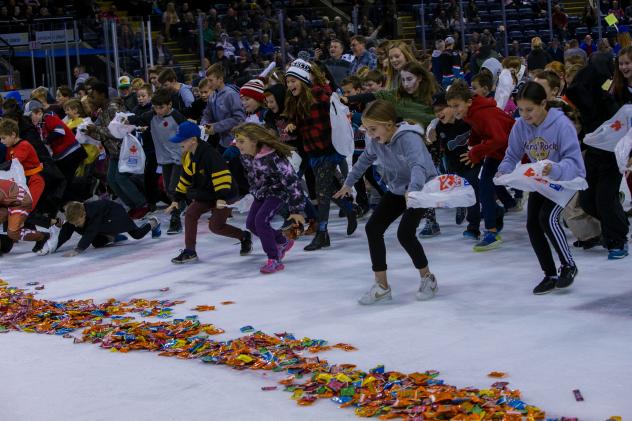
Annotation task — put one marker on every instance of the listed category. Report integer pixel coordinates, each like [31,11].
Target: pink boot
[272,266]
[284,248]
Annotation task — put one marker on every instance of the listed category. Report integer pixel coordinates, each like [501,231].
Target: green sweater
[407,108]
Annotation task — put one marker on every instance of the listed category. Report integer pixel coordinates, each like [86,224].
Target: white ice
[484,319]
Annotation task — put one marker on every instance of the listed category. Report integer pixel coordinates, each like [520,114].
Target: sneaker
[431,229]
[500,218]
[320,241]
[246,244]
[156,232]
[185,256]
[490,241]
[375,295]
[567,276]
[472,234]
[616,254]
[271,266]
[461,213]
[427,288]
[38,248]
[284,248]
[175,225]
[547,285]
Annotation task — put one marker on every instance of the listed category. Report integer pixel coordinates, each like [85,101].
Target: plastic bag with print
[443,191]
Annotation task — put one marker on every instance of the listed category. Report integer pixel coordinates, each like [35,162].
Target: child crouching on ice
[273,183]
[407,167]
[99,222]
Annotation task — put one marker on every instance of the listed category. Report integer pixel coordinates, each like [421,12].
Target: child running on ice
[488,141]
[99,222]
[273,183]
[407,166]
[207,181]
[541,134]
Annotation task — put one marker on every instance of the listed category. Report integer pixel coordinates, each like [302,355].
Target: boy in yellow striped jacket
[208,183]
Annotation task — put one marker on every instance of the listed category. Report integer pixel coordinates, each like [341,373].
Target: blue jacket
[554,139]
[224,111]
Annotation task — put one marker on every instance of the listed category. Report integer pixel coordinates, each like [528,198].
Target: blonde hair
[75,212]
[41,94]
[137,83]
[391,73]
[624,39]
[380,111]
[262,136]
[536,42]
[75,104]
[557,67]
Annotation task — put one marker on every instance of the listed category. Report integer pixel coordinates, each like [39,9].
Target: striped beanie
[253,89]
[301,70]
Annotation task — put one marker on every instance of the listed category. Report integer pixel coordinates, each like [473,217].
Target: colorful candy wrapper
[497,374]
[204,308]
[578,395]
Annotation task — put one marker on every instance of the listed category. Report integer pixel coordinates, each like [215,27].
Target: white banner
[17,38]
[54,36]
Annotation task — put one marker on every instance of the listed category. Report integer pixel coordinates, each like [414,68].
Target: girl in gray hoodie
[407,167]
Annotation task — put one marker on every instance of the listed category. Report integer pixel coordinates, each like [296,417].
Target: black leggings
[389,209]
[543,222]
[102,240]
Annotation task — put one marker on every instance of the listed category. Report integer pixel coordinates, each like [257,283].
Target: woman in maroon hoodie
[488,142]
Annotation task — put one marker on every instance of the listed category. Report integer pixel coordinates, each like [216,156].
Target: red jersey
[65,142]
[490,129]
[24,152]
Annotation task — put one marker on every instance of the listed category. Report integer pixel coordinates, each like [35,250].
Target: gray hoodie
[405,159]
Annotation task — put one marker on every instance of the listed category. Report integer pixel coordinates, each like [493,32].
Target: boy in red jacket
[488,142]
[67,152]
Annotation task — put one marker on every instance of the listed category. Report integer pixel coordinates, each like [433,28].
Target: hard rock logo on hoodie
[539,149]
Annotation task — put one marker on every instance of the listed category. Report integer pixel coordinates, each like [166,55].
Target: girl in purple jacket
[273,183]
[545,134]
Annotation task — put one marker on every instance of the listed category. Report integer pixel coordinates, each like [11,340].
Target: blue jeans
[123,186]
[487,193]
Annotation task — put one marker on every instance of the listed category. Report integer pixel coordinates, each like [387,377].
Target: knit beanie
[253,89]
[301,70]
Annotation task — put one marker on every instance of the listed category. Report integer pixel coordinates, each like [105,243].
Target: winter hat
[253,89]
[31,106]
[124,82]
[301,70]
[186,130]
[15,95]
[449,41]
[303,55]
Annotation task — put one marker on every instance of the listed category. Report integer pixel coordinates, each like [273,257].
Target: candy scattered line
[387,394]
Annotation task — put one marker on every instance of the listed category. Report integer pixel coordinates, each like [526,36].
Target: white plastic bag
[443,191]
[119,127]
[16,174]
[528,177]
[341,129]
[84,138]
[609,133]
[295,160]
[132,156]
[622,152]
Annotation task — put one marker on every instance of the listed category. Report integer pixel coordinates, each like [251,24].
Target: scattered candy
[204,308]
[497,374]
[165,289]
[226,303]
[39,288]
[386,394]
[578,395]
[32,283]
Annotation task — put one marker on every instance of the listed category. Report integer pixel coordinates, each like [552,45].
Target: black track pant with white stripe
[543,222]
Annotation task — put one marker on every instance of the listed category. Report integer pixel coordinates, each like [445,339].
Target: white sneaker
[427,288]
[375,295]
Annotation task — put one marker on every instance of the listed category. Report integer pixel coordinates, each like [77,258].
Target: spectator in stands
[338,67]
[169,20]
[80,75]
[603,58]
[560,22]
[472,13]
[441,24]
[616,10]
[450,63]
[589,16]
[515,49]
[485,50]
[574,50]
[362,57]
[537,58]
[588,45]
[229,48]
[266,47]
[555,50]
[162,55]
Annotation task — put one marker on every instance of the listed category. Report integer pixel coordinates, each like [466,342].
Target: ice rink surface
[484,319]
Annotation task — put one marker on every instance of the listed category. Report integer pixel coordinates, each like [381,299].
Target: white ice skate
[427,288]
[375,295]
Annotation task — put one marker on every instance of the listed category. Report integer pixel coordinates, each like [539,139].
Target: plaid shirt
[367,59]
[315,130]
